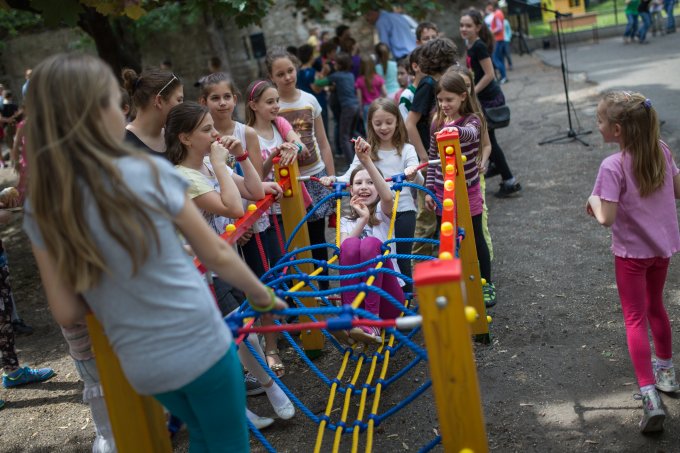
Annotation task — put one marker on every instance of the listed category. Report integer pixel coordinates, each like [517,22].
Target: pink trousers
[354,251]
[640,283]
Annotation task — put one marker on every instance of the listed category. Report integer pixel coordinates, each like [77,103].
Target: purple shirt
[644,227]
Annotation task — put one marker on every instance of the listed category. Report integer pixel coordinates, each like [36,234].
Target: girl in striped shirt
[455,110]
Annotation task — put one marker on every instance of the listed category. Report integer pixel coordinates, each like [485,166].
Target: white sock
[647,388]
[509,182]
[276,395]
[663,364]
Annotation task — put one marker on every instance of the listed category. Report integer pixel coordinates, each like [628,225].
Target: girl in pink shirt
[369,85]
[635,194]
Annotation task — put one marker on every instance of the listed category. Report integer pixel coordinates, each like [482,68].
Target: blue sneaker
[26,375]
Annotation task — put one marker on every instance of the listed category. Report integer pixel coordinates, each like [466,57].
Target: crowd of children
[112,246]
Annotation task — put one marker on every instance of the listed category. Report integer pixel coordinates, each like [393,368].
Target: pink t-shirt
[369,94]
[644,227]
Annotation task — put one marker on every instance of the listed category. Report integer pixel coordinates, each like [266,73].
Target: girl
[219,94]
[455,110]
[304,113]
[480,42]
[370,86]
[153,94]
[386,68]
[362,233]
[190,137]
[112,247]
[638,183]
[392,156]
[276,137]
[483,156]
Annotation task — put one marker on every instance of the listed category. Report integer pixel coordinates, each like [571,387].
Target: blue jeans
[497,57]
[668,7]
[646,22]
[214,408]
[631,26]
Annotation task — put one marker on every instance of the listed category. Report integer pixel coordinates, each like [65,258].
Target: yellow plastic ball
[463,158]
[450,168]
[471,314]
[483,281]
[252,207]
[489,319]
[447,228]
[467,450]
[230,228]
[448,185]
[288,193]
[448,204]
[449,150]
[445,256]
[283,172]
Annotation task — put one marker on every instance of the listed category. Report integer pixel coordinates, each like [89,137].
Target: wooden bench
[580,20]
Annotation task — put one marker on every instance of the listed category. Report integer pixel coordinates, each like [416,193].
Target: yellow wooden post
[292,212]
[137,421]
[468,250]
[449,348]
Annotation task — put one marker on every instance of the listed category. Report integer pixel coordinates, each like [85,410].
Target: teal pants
[214,408]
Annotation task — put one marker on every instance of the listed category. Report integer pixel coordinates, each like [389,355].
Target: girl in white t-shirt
[303,112]
[392,156]
[362,233]
[190,135]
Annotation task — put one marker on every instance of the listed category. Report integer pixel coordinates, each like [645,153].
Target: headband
[647,104]
[174,77]
[250,98]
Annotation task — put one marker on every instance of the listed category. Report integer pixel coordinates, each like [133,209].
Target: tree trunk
[119,50]
[214,31]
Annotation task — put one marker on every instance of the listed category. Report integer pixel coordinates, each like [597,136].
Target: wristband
[299,146]
[269,307]
[242,157]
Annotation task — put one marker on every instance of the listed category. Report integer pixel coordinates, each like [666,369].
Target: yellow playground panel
[575,7]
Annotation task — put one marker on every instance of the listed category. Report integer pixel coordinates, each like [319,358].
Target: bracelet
[269,307]
[242,157]
[299,146]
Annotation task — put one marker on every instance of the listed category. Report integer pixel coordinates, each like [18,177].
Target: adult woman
[480,42]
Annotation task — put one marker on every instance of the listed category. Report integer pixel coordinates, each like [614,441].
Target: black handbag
[497,117]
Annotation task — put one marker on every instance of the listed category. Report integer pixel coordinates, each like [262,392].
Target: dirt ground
[556,376]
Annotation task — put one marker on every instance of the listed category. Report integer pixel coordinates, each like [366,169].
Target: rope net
[364,372]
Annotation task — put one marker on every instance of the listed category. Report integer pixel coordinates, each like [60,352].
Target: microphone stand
[571,133]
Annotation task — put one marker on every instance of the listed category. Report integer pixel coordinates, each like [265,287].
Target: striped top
[469,131]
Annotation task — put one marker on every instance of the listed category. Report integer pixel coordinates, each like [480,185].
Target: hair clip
[647,104]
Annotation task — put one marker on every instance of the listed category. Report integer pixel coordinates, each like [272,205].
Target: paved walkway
[651,69]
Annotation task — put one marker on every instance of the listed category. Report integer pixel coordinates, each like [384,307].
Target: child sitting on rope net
[362,233]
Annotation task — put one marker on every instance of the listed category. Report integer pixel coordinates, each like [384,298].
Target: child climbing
[393,156]
[362,233]
[640,182]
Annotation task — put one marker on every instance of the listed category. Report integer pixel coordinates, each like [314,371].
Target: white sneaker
[259,422]
[654,415]
[665,378]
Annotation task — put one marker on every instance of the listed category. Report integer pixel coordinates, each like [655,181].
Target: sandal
[342,336]
[366,334]
[275,364]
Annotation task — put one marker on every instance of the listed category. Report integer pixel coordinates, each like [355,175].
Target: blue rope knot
[339,187]
[336,381]
[361,425]
[368,387]
[376,420]
[234,323]
[385,247]
[381,381]
[341,424]
[324,417]
[380,356]
[351,387]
